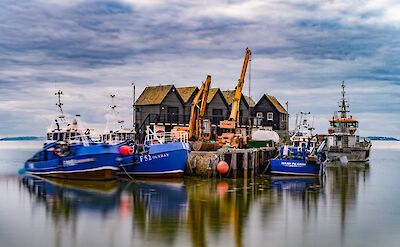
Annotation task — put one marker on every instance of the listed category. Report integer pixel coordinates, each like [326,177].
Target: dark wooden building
[187,94]
[163,107]
[217,107]
[160,105]
[244,107]
[268,112]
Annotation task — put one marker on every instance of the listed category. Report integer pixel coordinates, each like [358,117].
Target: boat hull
[294,167]
[352,154]
[100,165]
[162,161]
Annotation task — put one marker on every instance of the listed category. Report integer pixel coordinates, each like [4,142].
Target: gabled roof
[276,104]
[153,95]
[230,94]
[212,92]
[186,92]
[250,101]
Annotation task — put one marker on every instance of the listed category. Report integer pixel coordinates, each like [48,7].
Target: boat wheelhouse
[342,138]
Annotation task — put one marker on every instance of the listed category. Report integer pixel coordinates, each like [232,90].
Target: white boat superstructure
[115,131]
[62,129]
[303,133]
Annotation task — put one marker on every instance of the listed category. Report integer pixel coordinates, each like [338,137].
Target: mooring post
[234,164]
[245,164]
[253,160]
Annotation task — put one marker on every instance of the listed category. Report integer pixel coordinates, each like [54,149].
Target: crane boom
[239,88]
[198,109]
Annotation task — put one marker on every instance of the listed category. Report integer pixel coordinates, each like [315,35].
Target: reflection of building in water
[214,206]
[203,208]
[65,199]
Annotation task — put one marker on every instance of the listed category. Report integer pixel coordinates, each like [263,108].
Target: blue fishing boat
[70,153]
[298,161]
[163,155]
[89,161]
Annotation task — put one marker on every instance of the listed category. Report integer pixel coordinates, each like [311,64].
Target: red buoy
[222,167]
[125,150]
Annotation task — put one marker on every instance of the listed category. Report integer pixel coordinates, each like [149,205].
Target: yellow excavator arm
[234,116]
[198,110]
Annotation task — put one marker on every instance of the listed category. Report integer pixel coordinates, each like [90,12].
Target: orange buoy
[222,167]
[125,150]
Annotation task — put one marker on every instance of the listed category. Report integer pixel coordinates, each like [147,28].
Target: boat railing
[166,137]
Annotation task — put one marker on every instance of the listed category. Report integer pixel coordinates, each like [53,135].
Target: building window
[270,116]
[259,115]
[284,117]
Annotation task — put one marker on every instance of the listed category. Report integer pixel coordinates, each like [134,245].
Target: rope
[123,168]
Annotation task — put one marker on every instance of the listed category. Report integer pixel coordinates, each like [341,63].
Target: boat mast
[343,104]
[134,106]
[60,104]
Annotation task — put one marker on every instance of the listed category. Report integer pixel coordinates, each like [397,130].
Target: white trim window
[259,115]
[270,116]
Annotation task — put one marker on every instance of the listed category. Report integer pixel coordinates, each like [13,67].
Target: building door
[217,116]
[173,113]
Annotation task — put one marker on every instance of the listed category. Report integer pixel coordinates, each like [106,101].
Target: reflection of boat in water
[74,195]
[159,198]
[158,208]
[295,183]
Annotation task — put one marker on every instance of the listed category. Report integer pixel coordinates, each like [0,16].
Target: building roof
[186,92]
[211,94]
[250,101]
[230,94]
[276,104]
[153,95]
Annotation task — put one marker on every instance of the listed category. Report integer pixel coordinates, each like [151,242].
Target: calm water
[350,207]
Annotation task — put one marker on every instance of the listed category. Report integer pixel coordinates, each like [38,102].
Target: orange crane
[199,127]
[235,136]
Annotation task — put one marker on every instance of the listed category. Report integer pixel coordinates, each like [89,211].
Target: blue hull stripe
[74,171]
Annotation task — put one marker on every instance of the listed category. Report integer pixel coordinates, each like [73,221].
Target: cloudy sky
[302,50]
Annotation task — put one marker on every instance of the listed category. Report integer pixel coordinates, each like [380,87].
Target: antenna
[59,104]
[113,106]
[344,104]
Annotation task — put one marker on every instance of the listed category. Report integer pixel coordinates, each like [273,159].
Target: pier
[243,163]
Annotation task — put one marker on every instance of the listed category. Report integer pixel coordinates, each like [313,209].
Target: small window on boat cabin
[61,136]
[270,116]
[55,136]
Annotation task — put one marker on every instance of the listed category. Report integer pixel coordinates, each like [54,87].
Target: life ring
[57,151]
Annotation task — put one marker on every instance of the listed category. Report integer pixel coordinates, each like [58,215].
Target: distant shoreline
[22,138]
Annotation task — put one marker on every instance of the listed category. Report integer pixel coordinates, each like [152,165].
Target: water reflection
[201,212]
[343,186]
[158,208]
[65,198]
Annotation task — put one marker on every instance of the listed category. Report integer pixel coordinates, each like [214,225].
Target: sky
[302,51]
